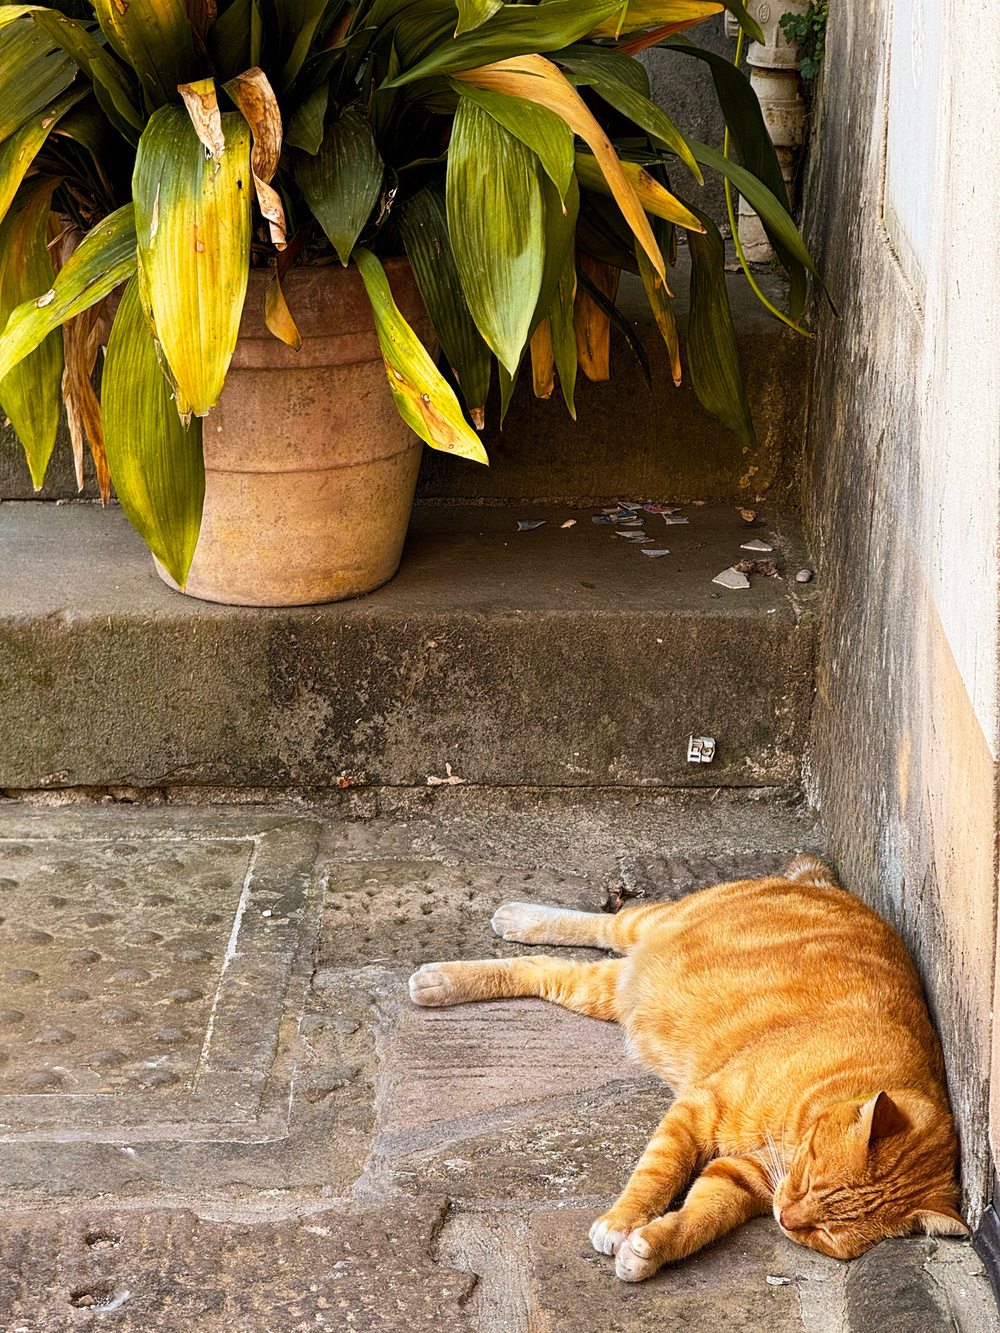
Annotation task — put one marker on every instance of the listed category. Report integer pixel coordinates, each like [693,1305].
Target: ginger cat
[791,1025]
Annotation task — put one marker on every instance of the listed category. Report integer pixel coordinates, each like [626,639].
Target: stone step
[497,657]
[626,439]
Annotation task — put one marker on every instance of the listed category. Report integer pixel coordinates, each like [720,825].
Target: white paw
[632,1261]
[431,986]
[519,921]
[604,1238]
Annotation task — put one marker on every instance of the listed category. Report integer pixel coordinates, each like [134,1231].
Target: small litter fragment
[451,780]
[660,551]
[732,578]
[661,509]
[526,524]
[777,1281]
[701,749]
[636,538]
[804,576]
[756,545]
[766,567]
[602,518]
[673,518]
[570,523]
[748,515]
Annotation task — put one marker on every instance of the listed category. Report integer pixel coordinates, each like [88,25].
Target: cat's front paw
[431,985]
[634,1259]
[608,1233]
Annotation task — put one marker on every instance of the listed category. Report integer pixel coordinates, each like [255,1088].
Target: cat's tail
[811,870]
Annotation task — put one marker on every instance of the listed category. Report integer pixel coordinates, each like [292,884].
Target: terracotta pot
[309,470]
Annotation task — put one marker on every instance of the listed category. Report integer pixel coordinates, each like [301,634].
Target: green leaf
[749,25]
[711,341]
[228,40]
[111,83]
[614,64]
[424,227]
[473,13]
[297,22]
[192,222]
[515,30]
[771,211]
[423,398]
[563,335]
[105,258]
[19,151]
[496,220]
[743,116]
[638,108]
[30,393]
[545,133]
[341,183]
[154,36]
[560,244]
[156,462]
[33,72]
[305,128]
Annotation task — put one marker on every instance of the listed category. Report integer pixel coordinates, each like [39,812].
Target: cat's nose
[784,1220]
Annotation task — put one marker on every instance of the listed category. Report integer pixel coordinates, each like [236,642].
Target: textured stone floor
[218,1109]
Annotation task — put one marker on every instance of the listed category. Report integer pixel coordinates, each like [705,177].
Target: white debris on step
[701,749]
[674,518]
[777,1281]
[570,523]
[527,524]
[804,576]
[659,551]
[450,781]
[756,545]
[732,578]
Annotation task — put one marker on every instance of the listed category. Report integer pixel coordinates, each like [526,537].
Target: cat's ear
[939,1222]
[881,1118]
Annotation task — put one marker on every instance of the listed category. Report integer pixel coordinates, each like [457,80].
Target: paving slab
[327,1155]
[495,658]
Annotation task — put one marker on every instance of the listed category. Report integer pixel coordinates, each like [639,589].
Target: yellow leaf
[277,315]
[656,14]
[543,361]
[650,193]
[591,324]
[536,79]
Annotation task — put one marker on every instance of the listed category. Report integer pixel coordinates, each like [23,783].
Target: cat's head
[870,1169]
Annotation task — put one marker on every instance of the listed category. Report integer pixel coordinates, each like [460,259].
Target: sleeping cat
[791,1025]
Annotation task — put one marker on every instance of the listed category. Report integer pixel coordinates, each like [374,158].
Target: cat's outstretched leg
[661,1173]
[728,1192]
[533,923]
[589,988]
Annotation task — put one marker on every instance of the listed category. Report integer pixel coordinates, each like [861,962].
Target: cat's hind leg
[588,988]
[533,923]
[728,1192]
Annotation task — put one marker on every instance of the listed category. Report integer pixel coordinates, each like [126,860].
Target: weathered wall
[904,481]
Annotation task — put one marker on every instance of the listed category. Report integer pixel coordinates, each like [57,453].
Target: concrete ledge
[552,657]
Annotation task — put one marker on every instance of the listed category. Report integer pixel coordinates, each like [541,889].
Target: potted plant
[307,194]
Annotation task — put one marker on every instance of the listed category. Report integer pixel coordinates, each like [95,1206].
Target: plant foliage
[511,150]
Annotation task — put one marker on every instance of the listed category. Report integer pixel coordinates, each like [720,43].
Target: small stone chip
[777,1281]
[656,551]
[756,545]
[732,578]
[804,576]
[570,523]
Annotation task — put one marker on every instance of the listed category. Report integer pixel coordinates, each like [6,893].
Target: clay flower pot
[309,470]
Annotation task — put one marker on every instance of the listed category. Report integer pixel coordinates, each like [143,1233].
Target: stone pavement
[218,1109]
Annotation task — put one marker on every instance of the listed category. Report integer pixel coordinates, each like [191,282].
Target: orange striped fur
[791,1025]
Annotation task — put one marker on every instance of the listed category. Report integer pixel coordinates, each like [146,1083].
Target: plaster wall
[903,494]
